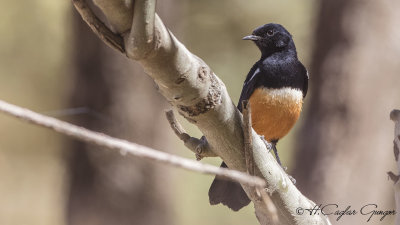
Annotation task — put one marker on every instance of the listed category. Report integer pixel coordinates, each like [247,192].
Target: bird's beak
[252,37]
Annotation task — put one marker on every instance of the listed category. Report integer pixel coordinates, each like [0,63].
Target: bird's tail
[228,193]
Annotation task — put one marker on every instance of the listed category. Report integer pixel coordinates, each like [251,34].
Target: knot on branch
[212,99]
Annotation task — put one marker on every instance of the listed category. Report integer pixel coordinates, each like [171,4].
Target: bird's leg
[272,146]
[267,144]
[277,156]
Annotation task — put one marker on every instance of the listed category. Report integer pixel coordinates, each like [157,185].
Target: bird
[275,87]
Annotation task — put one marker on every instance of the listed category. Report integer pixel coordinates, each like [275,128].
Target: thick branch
[198,94]
[141,151]
[140,41]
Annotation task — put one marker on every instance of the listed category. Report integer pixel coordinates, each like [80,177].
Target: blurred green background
[35,50]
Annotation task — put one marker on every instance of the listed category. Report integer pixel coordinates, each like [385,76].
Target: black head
[271,38]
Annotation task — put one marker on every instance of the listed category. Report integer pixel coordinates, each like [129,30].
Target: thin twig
[248,143]
[199,146]
[124,146]
[113,40]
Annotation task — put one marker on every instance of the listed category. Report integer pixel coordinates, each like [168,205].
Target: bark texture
[341,149]
[118,99]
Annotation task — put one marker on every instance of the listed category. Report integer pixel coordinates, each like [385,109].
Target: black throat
[287,51]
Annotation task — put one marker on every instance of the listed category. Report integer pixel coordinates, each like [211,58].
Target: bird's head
[271,38]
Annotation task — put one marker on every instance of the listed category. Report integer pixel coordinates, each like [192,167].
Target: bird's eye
[270,32]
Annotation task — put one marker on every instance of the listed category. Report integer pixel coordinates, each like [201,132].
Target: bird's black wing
[249,85]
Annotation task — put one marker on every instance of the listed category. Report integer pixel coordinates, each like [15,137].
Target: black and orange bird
[275,88]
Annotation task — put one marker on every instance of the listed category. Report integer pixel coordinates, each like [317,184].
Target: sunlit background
[38,58]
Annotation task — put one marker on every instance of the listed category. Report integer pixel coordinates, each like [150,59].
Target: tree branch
[115,41]
[201,97]
[248,144]
[199,146]
[140,41]
[124,146]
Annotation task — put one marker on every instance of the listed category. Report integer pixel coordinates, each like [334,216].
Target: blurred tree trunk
[117,98]
[343,149]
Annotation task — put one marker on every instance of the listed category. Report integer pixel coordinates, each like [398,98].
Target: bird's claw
[267,144]
[292,179]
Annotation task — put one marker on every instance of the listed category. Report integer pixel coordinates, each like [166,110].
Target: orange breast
[275,111]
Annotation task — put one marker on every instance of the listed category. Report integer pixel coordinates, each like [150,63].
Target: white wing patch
[254,74]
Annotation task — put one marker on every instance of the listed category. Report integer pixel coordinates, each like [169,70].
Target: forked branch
[200,147]
[201,97]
